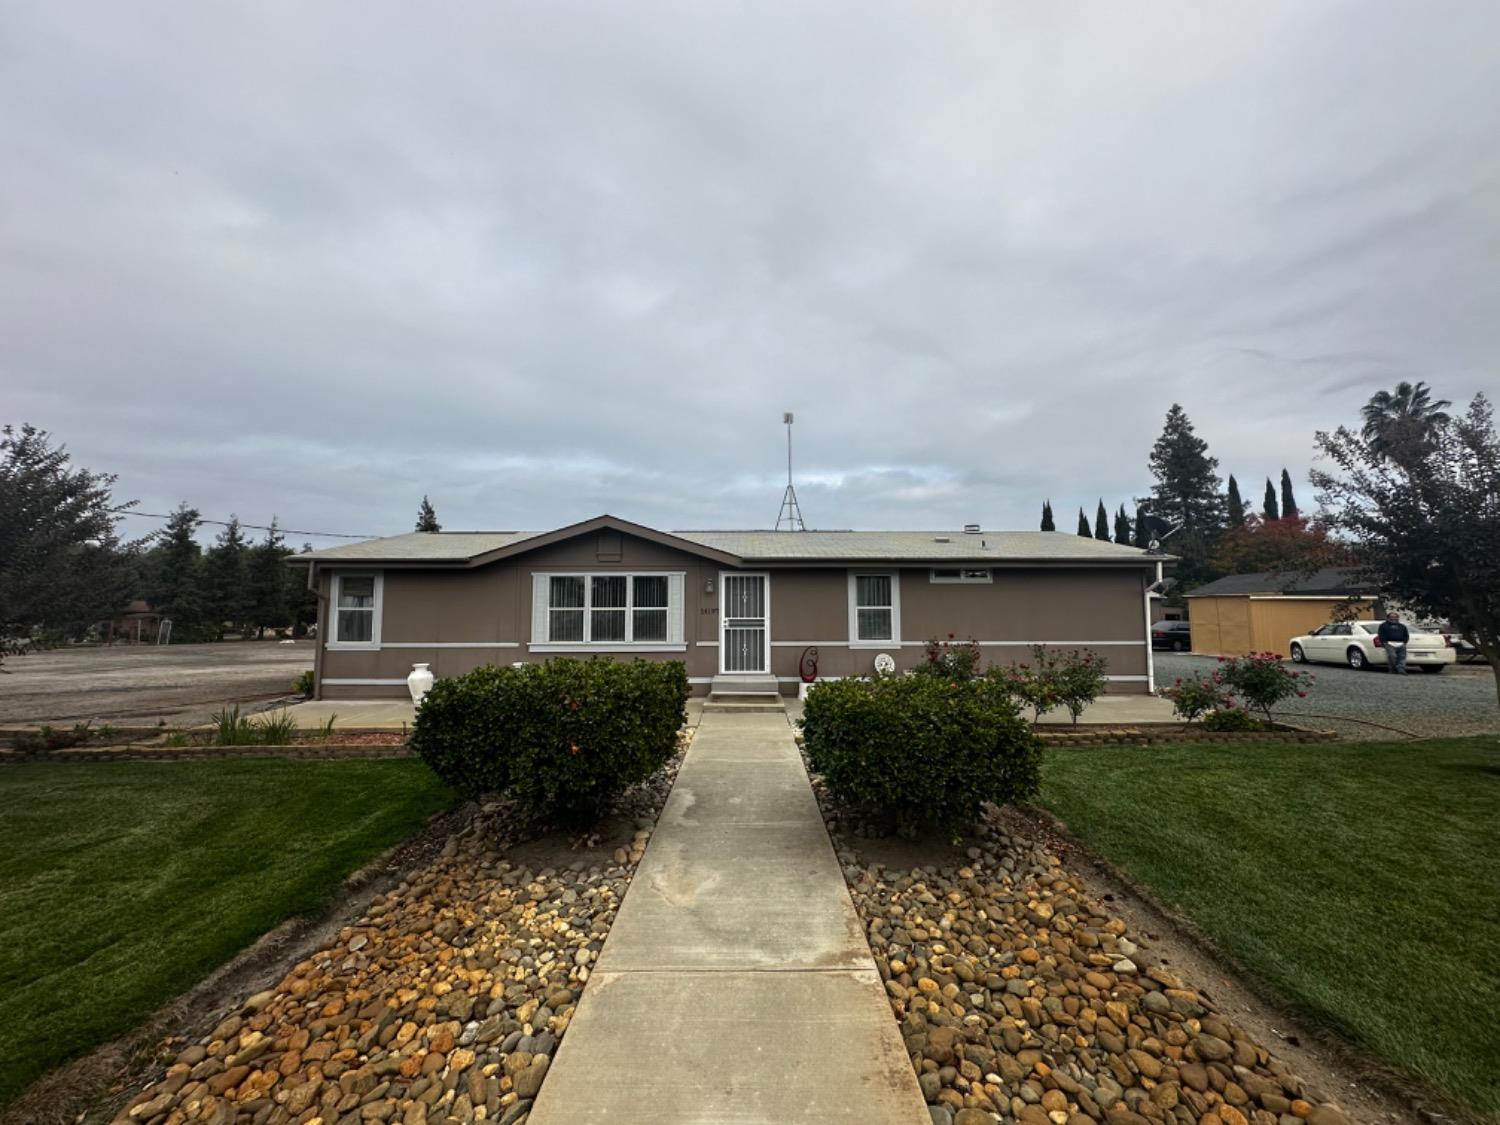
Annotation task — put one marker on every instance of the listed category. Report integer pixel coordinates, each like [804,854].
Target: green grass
[1361,881]
[124,884]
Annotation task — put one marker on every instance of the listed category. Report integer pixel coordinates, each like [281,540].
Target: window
[356,610]
[959,574]
[874,609]
[607,609]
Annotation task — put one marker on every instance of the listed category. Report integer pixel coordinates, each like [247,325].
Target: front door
[745,619]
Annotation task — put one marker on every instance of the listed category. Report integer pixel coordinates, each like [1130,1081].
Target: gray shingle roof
[457,547]
[1335,582]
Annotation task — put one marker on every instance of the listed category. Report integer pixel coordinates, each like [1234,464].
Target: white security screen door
[744,637]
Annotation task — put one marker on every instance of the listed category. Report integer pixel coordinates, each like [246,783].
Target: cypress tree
[1269,510]
[1235,506]
[1047,524]
[427,517]
[1083,525]
[1288,501]
[1101,522]
[1187,488]
[1122,527]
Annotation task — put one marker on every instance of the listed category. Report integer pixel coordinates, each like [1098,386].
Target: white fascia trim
[1128,679]
[355,681]
[643,646]
[450,644]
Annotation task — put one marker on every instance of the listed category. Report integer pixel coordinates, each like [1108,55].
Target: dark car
[1175,635]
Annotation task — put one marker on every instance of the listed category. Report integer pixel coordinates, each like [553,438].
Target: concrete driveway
[1373,704]
[139,685]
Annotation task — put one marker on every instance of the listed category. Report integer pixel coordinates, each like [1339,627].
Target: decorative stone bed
[1021,999]
[445,1001]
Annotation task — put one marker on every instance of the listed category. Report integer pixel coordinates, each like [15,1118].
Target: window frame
[967,576]
[588,644]
[855,641]
[376,611]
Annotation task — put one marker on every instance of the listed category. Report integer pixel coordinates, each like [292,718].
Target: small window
[960,574]
[1343,631]
[874,604]
[354,613]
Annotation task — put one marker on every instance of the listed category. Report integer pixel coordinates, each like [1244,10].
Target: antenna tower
[791,511]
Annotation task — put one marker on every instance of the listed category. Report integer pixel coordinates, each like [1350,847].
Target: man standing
[1393,637]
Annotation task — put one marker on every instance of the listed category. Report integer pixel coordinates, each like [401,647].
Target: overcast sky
[542,261]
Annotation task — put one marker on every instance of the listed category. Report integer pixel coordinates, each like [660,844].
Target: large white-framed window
[355,606]
[874,608]
[610,610]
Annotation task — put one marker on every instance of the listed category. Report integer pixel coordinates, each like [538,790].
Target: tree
[1234,506]
[1083,525]
[1288,501]
[1187,487]
[270,579]
[1047,524]
[1286,546]
[226,574]
[1427,520]
[63,567]
[1142,529]
[1269,511]
[427,518]
[1399,425]
[1122,527]
[1101,523]
[175,574]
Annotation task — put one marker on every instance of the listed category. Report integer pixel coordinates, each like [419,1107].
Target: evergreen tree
[1235,507]
[1269,510]
[1142,530]
[175,574]
[1047,524]
[1083,525]
[270,581]
[1187,488]
[1101,523]
[1122,527]
[226,574]
[304,602]
[1288,501]
[427,517]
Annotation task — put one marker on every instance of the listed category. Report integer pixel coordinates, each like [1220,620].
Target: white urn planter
[419,683]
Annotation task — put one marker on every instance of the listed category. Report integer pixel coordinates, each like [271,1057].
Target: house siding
[426,613]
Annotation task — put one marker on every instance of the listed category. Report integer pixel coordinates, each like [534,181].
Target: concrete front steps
[744,694]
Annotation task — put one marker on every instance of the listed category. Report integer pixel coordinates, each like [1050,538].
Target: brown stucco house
[740,608]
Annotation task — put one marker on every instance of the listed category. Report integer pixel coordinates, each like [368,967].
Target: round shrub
[1231,719]
[562,738]
[919,750]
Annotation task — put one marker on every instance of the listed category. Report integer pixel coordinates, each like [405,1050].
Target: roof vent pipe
[971,529]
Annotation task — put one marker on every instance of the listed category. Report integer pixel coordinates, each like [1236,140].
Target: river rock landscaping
[445,1002]
[1022,1000]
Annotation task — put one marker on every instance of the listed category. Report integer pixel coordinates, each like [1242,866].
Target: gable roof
[1334,582]
[740,548]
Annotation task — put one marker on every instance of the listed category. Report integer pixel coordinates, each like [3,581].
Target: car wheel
[1298,656]
[1179,646]
[1357,660]
[1432,669]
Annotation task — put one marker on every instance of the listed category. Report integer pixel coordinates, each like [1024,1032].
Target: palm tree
[1403,420]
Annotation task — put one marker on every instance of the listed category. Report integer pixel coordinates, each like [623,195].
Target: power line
[251,526]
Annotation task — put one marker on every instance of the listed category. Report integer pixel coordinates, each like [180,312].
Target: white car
[1356,644]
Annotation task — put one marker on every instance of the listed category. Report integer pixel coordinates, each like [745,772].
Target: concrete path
[736,984]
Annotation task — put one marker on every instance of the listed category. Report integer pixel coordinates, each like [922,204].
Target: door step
[744,693]
[758,705]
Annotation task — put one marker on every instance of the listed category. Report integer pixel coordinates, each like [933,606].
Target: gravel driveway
[136,685]
[1459,701]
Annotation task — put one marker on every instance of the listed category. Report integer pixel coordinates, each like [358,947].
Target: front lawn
[123,884]
[1359,880]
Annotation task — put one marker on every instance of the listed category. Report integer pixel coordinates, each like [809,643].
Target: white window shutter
[539,608]
[674,608]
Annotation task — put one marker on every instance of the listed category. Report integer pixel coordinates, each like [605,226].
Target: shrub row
[921,750]
[563,738]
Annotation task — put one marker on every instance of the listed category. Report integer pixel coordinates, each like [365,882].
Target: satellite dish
[885,664]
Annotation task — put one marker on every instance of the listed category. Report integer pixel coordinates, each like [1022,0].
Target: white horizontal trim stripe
[646,646]
[357,682]
[707,644]
[804,644]
[450,644]
[923,644]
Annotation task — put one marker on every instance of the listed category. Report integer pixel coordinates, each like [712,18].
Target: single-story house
[742,609]
[1244,613]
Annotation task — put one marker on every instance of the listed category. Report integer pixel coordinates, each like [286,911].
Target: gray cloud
[545,262]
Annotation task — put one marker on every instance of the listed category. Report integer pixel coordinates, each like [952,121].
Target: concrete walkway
[736,984]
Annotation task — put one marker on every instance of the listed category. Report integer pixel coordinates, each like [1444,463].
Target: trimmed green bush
[920,750]
[563,738]
[1231,719]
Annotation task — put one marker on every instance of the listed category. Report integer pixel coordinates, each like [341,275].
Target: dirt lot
[139,685]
